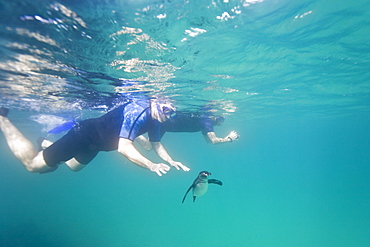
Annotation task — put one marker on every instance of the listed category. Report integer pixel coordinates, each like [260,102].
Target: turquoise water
[292,77]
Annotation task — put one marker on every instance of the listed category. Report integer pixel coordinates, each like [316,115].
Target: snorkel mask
[219,120]
[169,112]
[163,111]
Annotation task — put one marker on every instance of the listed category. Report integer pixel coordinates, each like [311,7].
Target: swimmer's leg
[73,164]
[43,143]
[22,147]
[81,159]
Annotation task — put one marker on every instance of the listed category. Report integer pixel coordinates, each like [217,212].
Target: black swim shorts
[86,139]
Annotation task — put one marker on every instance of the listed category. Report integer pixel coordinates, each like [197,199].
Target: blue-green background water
[292,77]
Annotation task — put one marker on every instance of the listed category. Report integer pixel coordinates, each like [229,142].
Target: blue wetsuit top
[188,122]
[137,120]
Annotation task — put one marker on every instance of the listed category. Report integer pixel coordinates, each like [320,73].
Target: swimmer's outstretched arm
[145,143]
[127,148]
[161,151]
[212,138]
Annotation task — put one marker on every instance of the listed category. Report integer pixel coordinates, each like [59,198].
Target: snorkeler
[190,122]
[115,130]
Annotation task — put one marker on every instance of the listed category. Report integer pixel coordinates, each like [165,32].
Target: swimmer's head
[162,111]
[218,120]
[168,110]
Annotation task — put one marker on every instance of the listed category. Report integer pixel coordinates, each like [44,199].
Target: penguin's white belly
[200,189]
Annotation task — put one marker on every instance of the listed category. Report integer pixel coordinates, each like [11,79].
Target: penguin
[200,185]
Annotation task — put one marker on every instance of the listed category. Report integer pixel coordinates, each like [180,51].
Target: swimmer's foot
[4,111]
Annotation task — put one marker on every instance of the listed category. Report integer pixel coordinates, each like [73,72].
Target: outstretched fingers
[233,135]
[160,169]
[179,165]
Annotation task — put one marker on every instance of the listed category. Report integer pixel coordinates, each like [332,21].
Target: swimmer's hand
[159,168]
[179,165]
[232,136]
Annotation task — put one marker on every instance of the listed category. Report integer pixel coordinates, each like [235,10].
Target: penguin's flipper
[214,181]
[183,199]
[194,197]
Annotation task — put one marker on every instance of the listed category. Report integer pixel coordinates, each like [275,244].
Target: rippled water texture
[301,57]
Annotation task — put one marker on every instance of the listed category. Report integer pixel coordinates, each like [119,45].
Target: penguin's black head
[204,174]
